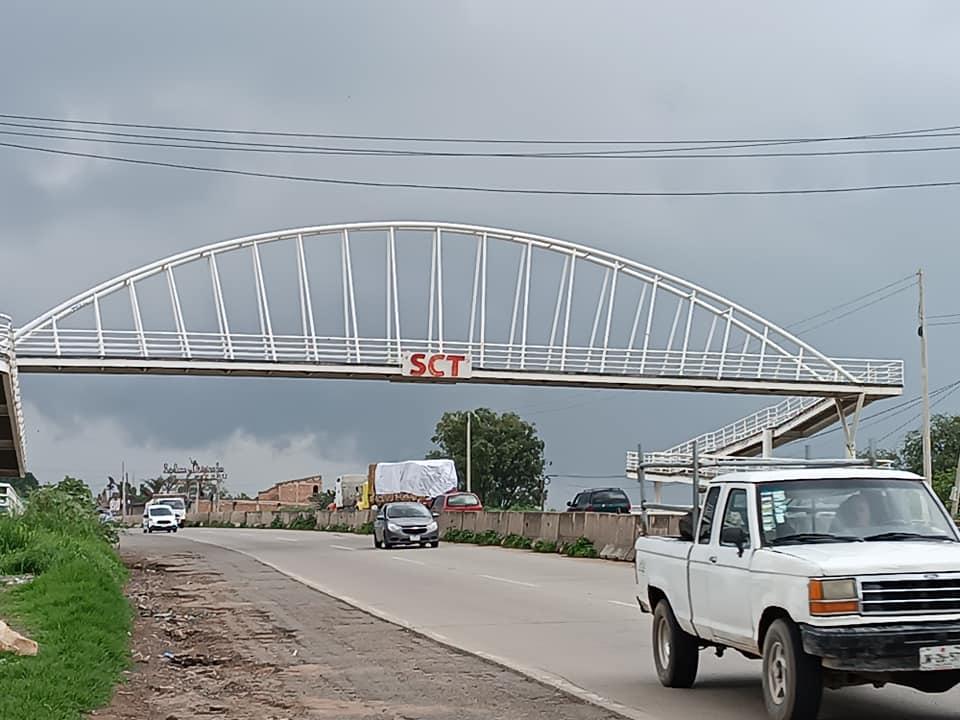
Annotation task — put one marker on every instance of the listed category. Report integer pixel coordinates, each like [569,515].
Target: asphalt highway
[573,622]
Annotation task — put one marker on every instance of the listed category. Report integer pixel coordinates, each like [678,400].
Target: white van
[175,503]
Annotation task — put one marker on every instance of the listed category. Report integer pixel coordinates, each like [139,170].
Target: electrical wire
[188,143]
[488,189]
[850,302]
[917,417]
[857,309]
[402,138]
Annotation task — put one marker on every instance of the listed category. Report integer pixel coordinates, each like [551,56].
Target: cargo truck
[410,480]
[347,491]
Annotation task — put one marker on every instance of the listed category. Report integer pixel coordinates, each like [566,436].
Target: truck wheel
[376,543]
[675,652]
[792,683]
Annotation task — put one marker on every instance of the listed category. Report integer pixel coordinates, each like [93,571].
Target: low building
[10,502]
[293,492]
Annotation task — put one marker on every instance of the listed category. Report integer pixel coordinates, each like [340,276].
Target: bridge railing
[320,350]
[8,363]
[745,428]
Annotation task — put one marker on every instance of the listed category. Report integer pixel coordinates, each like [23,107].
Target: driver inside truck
[854,513]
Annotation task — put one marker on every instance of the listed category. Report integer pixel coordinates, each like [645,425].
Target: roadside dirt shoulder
[220,635]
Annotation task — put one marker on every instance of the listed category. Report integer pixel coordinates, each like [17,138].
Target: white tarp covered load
[423,478]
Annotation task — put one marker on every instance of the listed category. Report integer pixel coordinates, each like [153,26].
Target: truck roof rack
[693,467]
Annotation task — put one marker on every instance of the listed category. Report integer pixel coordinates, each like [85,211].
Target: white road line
[625,604]
[342,547]
[283,539]
[507,580]
[407,560]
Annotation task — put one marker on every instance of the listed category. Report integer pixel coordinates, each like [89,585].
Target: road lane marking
[407,560]
[343,547]
[543,676]
[282,539]
[507,580]
[620,602]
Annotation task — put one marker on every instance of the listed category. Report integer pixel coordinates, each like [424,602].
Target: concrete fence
[612,535]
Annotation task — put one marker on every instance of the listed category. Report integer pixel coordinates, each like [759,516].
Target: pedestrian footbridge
[424,301]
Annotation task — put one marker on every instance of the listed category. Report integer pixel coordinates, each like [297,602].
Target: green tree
[507,456]
[945,449]
[25,485]
[76,489]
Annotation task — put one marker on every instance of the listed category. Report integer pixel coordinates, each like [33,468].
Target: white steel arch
[527,308]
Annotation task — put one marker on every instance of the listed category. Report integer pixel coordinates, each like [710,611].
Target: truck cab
[833,577]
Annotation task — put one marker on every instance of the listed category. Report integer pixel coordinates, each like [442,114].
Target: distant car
[176,504]
[605,500]
[107,517]
[405,523]
[159,517]
[457,502]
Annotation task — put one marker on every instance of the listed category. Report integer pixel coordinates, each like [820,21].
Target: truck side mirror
[435,514]
[734,536]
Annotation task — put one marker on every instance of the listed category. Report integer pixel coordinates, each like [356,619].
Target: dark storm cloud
[493,69]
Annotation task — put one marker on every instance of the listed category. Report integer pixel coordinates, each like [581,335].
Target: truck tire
[676,653]
[792,682]
[376,543]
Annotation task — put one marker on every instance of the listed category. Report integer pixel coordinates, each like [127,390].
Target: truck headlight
[393,527]
[432,526]
[834,597]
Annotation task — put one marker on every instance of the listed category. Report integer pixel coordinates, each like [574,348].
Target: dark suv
[607,500]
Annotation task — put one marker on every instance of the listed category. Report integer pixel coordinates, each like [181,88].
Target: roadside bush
[487,537]
[581,547]
[277,522]
[544,546]
[460,536]
[303,522]
[75,608]
[516,541]
[365,529]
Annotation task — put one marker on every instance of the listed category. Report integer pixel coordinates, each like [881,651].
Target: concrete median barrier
[613,536]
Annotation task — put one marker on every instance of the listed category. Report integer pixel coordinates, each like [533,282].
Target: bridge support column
[850,427]
[767,443]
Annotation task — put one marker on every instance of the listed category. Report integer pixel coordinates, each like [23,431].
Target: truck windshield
[851,510]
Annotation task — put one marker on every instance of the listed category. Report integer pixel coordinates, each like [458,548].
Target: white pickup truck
[834,577]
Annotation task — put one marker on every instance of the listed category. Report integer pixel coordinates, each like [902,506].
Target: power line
[916,417]
[488,189]
[892,410]
[189,143]
[436,139]
[859,308]
[850,302]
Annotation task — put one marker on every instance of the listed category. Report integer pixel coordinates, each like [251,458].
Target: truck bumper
[876,648]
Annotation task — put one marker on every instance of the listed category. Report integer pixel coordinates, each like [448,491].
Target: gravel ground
[245,642]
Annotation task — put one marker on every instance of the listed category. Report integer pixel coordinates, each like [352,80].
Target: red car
[457,502]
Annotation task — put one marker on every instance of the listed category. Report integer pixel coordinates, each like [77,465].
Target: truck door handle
[712,558]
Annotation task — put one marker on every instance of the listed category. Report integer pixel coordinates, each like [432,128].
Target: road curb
[549,679]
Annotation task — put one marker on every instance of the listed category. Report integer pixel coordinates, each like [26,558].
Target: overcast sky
[600,70]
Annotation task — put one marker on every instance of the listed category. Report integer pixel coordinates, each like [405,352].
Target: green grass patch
[544,546]
[487,537]
[517,541]
[581,547]
[75,609]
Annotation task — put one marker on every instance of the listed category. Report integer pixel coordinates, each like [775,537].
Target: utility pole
[955,493]
[924,385]
[123,492]
[469,443]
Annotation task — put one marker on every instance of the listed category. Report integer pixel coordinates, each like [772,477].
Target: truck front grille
[915,596]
